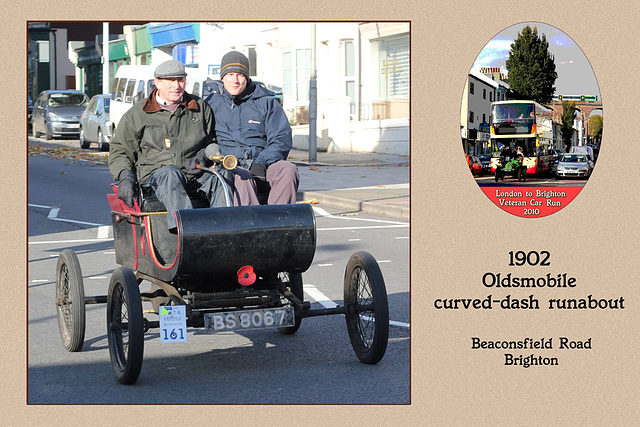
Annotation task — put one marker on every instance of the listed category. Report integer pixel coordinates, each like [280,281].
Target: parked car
[29,110]
[57,113]
[485,159]
[574,165]
[95,125]
[475,165]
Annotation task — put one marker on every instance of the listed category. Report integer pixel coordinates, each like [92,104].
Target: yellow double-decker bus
[524,124]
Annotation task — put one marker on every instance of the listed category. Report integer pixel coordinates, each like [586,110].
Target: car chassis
[221,263]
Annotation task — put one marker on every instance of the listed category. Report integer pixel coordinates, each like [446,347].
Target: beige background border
[454,227]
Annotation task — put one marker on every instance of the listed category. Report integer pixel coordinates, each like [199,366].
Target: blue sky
[575,75]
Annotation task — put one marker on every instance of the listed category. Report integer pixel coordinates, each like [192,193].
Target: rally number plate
[249,319]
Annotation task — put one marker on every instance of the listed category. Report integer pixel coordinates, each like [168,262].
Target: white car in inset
[574,165]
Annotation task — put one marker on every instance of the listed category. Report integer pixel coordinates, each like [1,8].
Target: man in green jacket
[160,142]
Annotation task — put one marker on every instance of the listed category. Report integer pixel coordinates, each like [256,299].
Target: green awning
[141,41]
[118,50]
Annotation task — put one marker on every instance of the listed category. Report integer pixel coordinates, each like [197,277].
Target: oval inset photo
[531,120]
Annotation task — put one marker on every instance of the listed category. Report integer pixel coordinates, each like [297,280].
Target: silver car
[95,125]
[57,112]
[574,165]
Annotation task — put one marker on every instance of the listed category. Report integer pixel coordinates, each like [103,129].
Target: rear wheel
[70,301]
[366,307]
[125,326]
[497,175]
[83,140]
[295,285]
[102,145]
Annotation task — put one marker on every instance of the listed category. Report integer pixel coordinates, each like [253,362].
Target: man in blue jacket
[251,124]
[160,140]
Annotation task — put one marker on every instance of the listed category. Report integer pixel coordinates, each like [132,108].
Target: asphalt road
[68,209]
[531,181]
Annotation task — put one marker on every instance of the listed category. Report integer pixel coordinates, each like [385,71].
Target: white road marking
[399,324]
[401,237]
[57,242]
[363,228]
[323,213]
[325,265]
[103,231]
[319,297]
[53,213]
[326,302]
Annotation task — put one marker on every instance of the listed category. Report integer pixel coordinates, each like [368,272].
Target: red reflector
[246,276]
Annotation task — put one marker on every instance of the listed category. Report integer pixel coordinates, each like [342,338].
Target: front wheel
[83,139]
[70,301]
[497,175]
[366,307]
[125,326]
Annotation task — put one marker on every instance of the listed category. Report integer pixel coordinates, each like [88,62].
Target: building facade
[481,89]
[362,70]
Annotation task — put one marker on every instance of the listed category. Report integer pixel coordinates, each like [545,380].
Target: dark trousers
[172,187]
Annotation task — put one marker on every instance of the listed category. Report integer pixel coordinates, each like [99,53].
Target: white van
[583,149]
[131,84]
[134,83]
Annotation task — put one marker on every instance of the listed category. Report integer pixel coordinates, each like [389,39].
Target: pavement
[372,183]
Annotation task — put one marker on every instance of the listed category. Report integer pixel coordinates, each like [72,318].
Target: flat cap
[170,69]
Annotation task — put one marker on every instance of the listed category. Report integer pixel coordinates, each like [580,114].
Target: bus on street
[525,124]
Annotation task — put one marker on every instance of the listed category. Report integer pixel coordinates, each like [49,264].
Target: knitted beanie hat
[234,62]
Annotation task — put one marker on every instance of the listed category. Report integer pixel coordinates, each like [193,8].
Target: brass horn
[229,161]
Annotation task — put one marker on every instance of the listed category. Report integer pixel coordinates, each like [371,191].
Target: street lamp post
[313,100]
[105,58]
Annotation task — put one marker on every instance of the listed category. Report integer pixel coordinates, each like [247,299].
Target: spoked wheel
[366,307]
[125,325]
[70,300]
[294,281]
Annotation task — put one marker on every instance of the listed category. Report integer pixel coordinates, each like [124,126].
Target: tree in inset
[532,70]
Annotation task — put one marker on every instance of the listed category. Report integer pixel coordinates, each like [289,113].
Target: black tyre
[83,140]
[366,307]
[102,145]
[497,174]
[521,174]
[70,301]
[125,326]
[294,282]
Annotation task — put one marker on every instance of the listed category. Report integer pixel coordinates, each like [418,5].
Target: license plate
[249,319]
[73,126]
